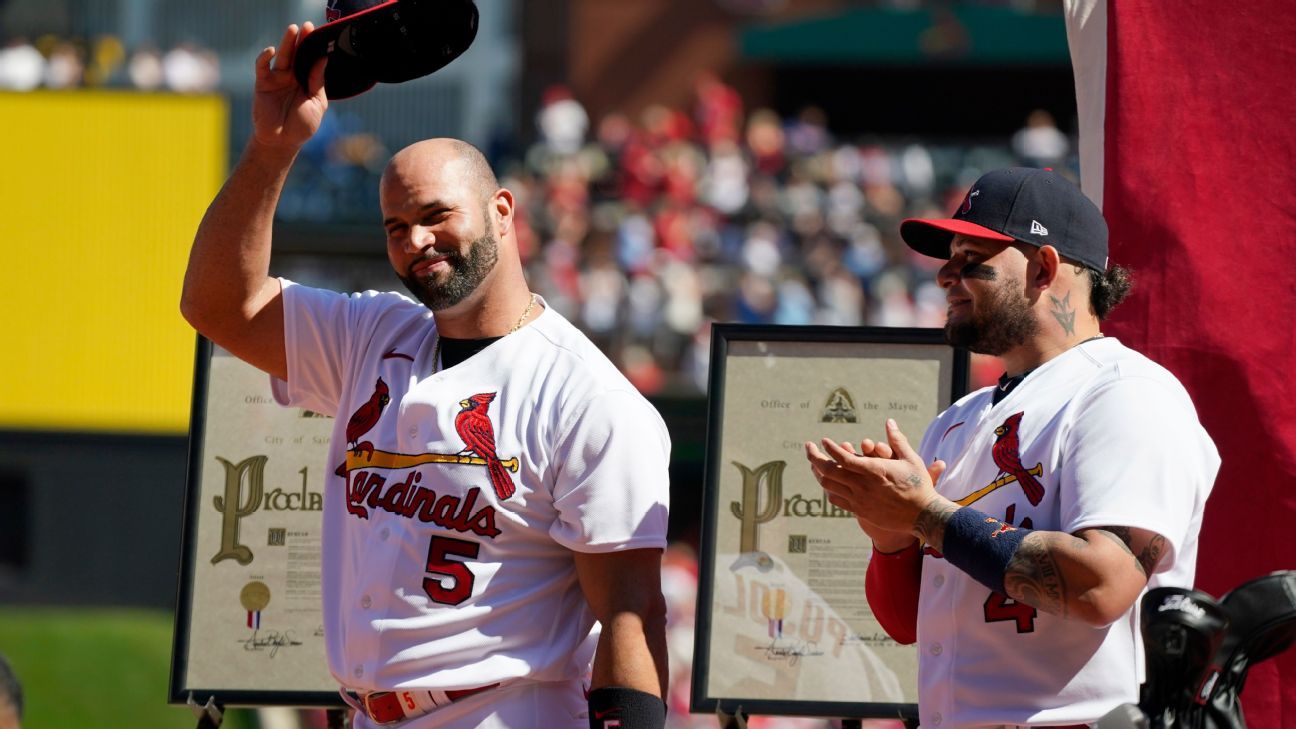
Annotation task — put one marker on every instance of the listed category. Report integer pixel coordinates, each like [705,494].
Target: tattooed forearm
[1034,577]
[1063,312]
[1150,546]
[930,525]
[1151,554]
[1123,537]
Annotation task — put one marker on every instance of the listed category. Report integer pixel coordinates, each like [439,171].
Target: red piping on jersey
[951,429]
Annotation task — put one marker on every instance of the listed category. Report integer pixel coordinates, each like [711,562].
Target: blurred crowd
[51,62]
[646,231]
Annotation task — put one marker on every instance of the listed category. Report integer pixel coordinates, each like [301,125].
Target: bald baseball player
[1060,495]
[496,492]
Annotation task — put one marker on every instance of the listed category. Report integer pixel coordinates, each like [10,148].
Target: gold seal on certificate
[255,596]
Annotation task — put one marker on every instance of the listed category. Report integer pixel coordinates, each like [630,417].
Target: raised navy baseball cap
[1037,207]
[368,41]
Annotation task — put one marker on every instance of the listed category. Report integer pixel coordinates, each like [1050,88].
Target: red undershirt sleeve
[891,585]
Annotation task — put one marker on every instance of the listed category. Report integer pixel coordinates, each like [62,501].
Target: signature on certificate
[792,651]
[270,640]
[874,638]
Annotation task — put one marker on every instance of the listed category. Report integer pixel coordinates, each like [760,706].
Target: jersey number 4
[440,549]
[999,607]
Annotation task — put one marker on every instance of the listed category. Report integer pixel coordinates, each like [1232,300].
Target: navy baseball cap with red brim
[387,41]
[1032,206]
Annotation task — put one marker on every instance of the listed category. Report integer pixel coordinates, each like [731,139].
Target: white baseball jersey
[454,498]
[1098,436]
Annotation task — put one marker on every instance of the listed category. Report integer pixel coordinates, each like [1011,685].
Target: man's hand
[283,116]
[885,485]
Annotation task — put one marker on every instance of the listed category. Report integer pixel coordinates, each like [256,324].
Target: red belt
[389,707]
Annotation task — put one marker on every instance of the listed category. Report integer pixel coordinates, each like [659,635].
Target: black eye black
[977,270]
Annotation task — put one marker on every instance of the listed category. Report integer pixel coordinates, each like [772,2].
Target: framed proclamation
[248,628]
[783,626]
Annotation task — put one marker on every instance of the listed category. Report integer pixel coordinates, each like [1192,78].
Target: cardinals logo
[1007,457]
[366,467]
[478,435]
[363,420]
[1006,453]
[966,207]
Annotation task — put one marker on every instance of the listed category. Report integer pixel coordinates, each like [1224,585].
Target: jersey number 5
[440,564]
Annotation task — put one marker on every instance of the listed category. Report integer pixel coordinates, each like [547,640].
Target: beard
[465,275]
[1005,322]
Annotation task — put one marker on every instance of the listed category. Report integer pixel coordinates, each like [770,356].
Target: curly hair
[1106,290]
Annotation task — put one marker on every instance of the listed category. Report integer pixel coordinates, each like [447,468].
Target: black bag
[1182,632]
[1262,614]
[1199,651]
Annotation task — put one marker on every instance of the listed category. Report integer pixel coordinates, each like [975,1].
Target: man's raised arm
[229,296]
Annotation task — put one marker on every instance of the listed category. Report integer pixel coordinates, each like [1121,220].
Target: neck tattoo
[436,348]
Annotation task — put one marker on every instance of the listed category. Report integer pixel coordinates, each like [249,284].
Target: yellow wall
[100,194]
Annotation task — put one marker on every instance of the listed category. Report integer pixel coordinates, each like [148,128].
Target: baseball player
[1060,495]
[11,697]
[496,503]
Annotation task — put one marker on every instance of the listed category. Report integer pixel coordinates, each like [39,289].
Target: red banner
[1200,193]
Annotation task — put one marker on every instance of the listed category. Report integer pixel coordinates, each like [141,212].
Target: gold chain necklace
[436,348]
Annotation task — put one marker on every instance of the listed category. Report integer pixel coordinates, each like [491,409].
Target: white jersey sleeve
[323,332]
[1138,457]
[617,442]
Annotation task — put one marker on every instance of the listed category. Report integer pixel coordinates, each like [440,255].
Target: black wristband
[627,708]
[982,546]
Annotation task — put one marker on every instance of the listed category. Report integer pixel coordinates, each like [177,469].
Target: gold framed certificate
[248,627]
[783,626]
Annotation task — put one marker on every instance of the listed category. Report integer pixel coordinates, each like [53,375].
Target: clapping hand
[884,484]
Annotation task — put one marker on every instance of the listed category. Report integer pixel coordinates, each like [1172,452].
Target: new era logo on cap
[1037,229]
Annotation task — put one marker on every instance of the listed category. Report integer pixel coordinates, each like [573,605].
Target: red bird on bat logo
[1006,455]
[478,435]
[363,420]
